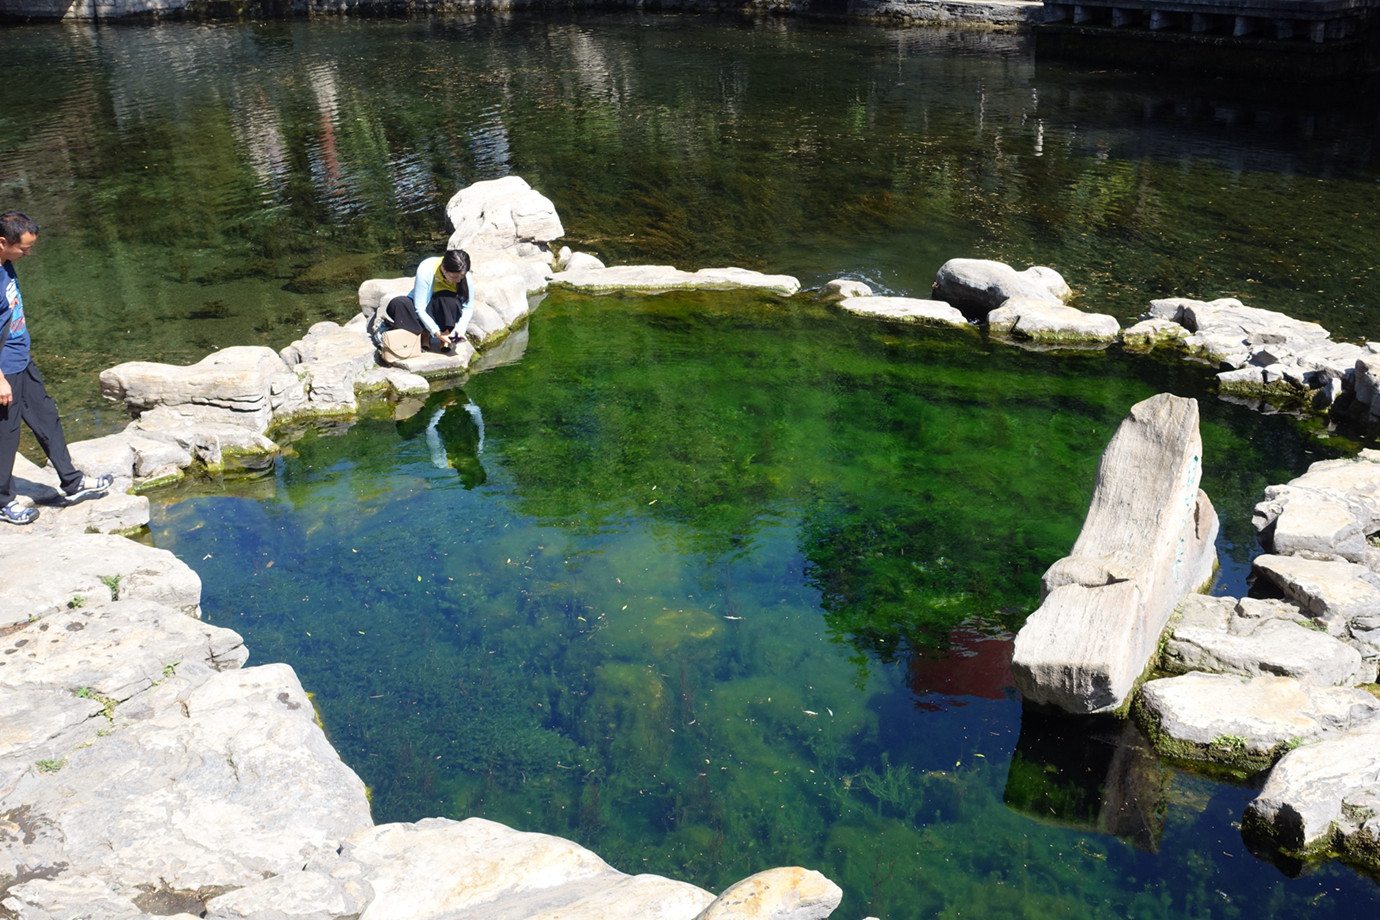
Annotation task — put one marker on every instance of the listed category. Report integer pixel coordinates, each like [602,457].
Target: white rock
[1323,528]
[581,260]
[377,292]
[311,894]
[206,436]
[1228,331]
[1332,592]
[905,310]
[1323,794]
[787,893]
[115,512]
[84,566]
[69,895]
[1225,717]
[235,378]
[442,868]
[504,213]
[1043,320]
[982,285]
[1149,333]
[843,289]
[1148,540]
[657,278]
[1221,636]
[114,650]
[231,783]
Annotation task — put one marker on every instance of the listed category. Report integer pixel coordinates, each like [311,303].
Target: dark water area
[708,583]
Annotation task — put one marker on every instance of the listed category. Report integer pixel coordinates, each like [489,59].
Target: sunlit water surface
[707,583]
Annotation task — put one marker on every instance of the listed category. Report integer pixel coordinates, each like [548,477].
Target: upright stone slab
[1148,540]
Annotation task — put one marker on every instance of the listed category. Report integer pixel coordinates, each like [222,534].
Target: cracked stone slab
[1251,637]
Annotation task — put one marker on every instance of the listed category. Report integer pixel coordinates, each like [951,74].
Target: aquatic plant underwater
[712,582]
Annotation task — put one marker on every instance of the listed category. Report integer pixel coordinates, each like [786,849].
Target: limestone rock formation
[1148,540]
[1253,638]
[1050,322]
[656,278]
[1323,796]
[502,214]
[1247,721]
[905,310]
[979,286]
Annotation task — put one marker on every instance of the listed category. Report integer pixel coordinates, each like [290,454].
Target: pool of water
[711,584]
[707,583]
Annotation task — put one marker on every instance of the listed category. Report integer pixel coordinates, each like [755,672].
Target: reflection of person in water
[454,432]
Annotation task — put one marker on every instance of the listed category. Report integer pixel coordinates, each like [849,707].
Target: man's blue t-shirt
[14,347]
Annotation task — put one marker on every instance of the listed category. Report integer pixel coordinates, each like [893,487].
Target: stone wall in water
[996,12]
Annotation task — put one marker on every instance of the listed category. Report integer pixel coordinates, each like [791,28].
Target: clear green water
[725,583]
[729,584]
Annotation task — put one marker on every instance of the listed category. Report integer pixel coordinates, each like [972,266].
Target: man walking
[23,397]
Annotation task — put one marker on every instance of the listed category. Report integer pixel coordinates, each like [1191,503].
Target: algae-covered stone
[1324,796]
[1246,721]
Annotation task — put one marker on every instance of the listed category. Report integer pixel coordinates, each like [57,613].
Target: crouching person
[436,313]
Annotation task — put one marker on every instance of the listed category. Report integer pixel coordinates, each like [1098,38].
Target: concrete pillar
[1161,20]
[1243,26]
[1083,14]
[1122,18]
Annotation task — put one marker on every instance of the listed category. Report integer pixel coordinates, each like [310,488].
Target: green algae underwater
[716,582]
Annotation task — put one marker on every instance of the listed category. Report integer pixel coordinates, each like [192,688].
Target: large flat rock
[905,310]
[1249,721]
[219,784]
[88,570]
[1050,322]
[476,868]
[1342,596]
[656,278]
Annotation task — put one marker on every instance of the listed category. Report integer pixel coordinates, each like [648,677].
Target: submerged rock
[1148,540]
